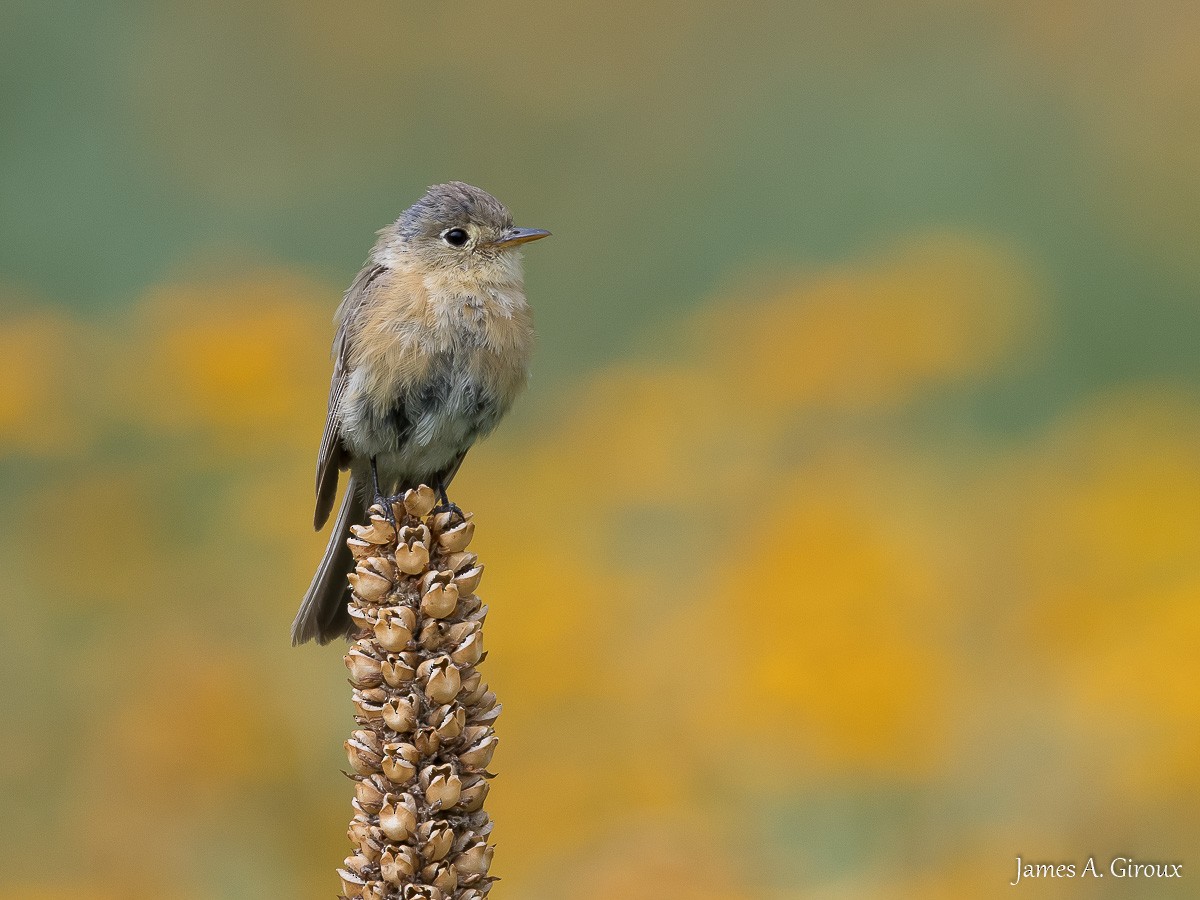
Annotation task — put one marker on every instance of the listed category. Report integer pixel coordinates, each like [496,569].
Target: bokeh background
[846,544]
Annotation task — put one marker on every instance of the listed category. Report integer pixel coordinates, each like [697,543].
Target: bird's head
[455,225]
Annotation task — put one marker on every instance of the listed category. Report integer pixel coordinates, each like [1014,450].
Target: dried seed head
[399,669]
[352,884]
[400,714]
[473,795]
[419,501]
[412,558]
[364,752]
[441,679]
[449,721]
[379,532]
[442,786]
[475,860]
[394,628]
[477,756]
[398,817]
[400,762]
[365,671]
[436,839]
[440,600]
[369,792]
[453,533]
[368,585]
[469,651]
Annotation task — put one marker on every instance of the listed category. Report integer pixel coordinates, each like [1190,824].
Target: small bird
[433,344]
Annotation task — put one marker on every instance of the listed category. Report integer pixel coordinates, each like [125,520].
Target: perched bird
[433,344]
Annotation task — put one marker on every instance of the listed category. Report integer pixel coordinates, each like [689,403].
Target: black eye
[456,237]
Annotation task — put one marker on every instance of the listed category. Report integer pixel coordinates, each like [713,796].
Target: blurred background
[846,544]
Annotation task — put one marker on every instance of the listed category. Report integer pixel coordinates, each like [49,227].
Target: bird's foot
[389,513]
[447,507]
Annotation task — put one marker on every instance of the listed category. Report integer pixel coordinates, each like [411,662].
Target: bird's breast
[435,368]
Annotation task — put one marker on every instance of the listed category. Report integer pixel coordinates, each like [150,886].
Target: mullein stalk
[424,716]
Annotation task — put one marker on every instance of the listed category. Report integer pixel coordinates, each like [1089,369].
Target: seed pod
[440,600]
[393,631]
[477,756]
[400,714]
[475,860]
[364,752]
[400,762]
[369,792]
[398,864]
[419,501]
[398,817]
[473,796]
[442,681]
[412,558]
[442,786]
[365,670]
[368,585]
[399,669]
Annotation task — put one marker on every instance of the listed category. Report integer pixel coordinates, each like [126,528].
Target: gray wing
[333,456]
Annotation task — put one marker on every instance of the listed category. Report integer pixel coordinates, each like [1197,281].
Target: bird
[433,344]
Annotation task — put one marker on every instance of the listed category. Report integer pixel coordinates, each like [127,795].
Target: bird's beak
[515,236]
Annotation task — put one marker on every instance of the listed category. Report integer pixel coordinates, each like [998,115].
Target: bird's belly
[427,427]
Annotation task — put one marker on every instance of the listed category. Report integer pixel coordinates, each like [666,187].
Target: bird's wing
[333,456]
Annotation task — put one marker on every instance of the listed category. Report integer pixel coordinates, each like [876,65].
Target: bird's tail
[323,614]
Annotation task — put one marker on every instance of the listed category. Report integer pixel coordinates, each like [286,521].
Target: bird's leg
[446,505]
[383,502]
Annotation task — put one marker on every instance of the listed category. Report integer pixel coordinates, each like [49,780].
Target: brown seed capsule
[470,651]
[442,786]
[398,817]
[441,679]
[434,634]
[369,586]
[361,617]
[370,793]
[419,501]
[399,669]
[449,721]
[366,709]
[379,532]
[473,796]
[440,600]
[394,628]
[475,860]
[427,742]
[400,762]
[382,566]
[375,890]
[477,756]
[444,876]
[422,892]
[398,864]
[436,576]
[411,559]
[364,752]
[457,537]
[352,885]
[361,549]
[365,671]
[435,839]
[400,714]
[360,828]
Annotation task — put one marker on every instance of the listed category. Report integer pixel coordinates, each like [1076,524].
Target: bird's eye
[456,237]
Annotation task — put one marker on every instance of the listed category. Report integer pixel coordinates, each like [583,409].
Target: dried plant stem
[424,736]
